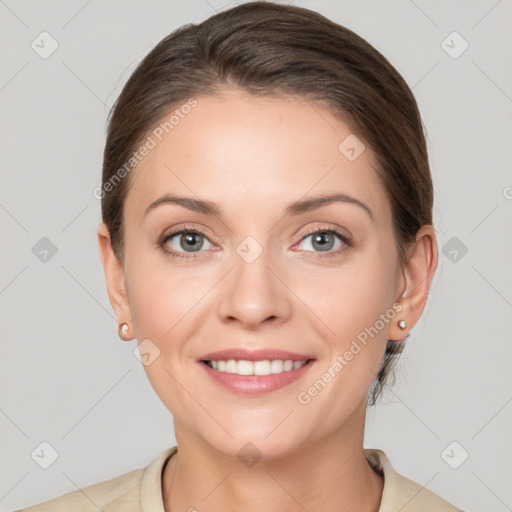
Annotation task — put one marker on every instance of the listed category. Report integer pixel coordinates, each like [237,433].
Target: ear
[418,272]
[114,277]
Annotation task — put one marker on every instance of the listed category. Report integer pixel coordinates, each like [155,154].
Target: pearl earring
[402,324]
[124,329]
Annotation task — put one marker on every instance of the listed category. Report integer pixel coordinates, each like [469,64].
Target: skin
[253,156]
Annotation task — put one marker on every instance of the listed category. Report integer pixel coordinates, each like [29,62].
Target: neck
[330,474]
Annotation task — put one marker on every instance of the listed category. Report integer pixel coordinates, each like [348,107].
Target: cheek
[350,299]
[355,303]
[160,298]
[162,307]
[355,306]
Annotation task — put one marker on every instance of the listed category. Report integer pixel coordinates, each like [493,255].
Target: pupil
[190,239]
[320,238]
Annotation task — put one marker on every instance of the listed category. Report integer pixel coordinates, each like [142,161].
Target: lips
[254,355]
[255,372]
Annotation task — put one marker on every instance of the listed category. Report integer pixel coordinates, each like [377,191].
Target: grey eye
[189,241]
[321,241]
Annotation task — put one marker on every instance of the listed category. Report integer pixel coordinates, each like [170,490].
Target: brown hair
[270,49]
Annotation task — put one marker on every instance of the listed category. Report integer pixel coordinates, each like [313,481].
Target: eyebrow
[294,208]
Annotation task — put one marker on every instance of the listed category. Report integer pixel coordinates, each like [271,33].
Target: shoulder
[140,489]
[401,493]
[120,493]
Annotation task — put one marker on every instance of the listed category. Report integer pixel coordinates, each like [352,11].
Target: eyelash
[347,241]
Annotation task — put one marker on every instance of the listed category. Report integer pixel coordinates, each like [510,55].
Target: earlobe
[114,276]
[418,272]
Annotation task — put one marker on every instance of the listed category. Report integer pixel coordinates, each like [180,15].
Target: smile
[263,367]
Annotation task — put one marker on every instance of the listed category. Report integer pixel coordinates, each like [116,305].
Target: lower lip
[255,384]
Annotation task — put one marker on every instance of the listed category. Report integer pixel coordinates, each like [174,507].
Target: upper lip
[253,355]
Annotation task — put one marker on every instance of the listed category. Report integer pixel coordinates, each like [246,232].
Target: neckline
[151,494]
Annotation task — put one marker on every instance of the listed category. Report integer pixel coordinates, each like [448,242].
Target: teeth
[276,366]
[265,367]
[261,367]
[288,365]
[245,368]
[231,366]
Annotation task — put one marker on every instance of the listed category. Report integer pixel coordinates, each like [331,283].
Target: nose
[254,292]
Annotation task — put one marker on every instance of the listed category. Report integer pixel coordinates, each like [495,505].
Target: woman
[267,237]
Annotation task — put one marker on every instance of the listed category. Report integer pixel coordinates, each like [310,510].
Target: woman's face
[257,276]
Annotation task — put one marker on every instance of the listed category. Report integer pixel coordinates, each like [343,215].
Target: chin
[258,442]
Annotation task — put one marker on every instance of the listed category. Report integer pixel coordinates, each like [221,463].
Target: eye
[329,241]
[187,240]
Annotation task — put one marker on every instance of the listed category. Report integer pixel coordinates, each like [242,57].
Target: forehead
[251,153]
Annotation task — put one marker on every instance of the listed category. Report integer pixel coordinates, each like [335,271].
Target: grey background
[68,380]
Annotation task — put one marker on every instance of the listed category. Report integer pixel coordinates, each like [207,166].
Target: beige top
[141,491]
